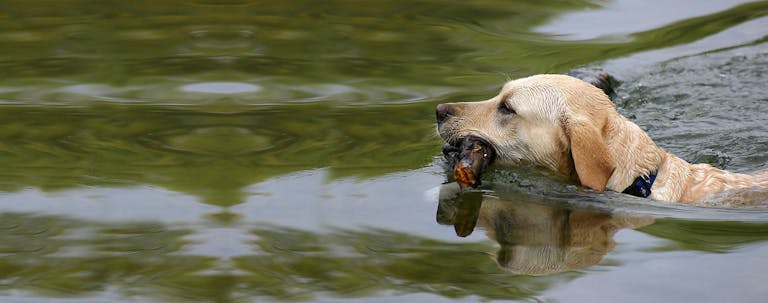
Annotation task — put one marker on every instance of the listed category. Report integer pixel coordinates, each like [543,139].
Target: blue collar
[641,187]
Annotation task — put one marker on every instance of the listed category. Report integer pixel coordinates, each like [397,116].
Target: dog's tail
[598,78]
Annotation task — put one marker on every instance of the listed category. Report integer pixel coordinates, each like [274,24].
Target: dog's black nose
[444,111]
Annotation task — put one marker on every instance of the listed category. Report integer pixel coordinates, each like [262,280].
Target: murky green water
[256,151]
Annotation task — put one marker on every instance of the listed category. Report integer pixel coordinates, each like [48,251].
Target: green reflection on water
[707,236]
[343,58]
[343,52]
[57,256]
[108,94]
[213,156]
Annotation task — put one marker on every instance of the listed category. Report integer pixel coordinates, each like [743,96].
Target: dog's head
[555,121]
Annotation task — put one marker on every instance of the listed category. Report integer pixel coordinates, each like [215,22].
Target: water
[248,151]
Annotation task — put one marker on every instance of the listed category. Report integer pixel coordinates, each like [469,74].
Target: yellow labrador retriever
[569,126]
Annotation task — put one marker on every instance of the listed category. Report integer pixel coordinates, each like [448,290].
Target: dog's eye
[504,108]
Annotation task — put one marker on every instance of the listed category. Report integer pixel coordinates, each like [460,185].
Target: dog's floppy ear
[594,164]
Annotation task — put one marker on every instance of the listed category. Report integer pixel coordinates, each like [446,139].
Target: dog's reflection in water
[534,238]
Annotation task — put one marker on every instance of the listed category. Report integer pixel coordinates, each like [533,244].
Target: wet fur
[569,126]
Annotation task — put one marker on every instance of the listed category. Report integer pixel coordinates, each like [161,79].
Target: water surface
[250,151]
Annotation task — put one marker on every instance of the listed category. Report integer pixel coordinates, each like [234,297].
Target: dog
[569,126]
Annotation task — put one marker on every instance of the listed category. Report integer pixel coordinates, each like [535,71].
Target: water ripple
[220,88]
